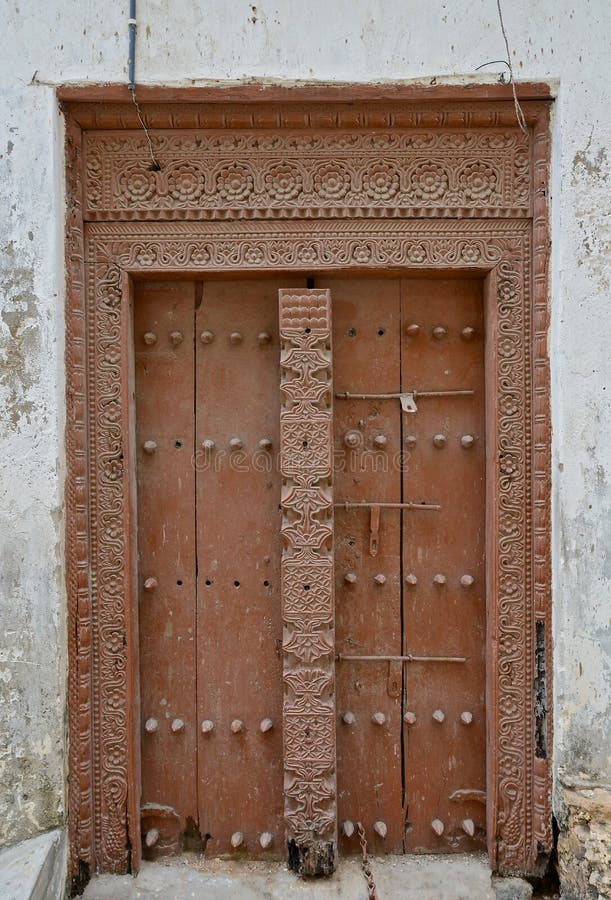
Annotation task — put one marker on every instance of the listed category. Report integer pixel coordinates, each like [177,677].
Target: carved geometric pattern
[251,235]
[306,444]
[291,174]
[305,589]
[306,441]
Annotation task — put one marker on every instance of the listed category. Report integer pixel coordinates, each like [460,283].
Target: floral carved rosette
[136,184]
[234,184]
[306,442]
[283,182]
[186,183]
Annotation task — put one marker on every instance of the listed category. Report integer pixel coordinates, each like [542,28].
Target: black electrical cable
[131,59]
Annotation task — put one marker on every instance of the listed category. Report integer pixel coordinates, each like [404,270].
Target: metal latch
[407,398]
[374,521]
[408,658]
[408,402]
[395,678]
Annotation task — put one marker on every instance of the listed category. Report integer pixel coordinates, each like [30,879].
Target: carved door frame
[350,179]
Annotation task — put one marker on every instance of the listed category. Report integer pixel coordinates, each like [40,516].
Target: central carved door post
[306,461]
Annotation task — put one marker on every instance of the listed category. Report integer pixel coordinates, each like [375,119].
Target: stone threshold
[35,869]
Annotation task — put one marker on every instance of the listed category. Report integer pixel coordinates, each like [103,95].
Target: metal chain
[371,887]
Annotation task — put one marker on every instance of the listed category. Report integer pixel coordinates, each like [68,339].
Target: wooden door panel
[163,335]
[368,613]
[445,447]
[238,544]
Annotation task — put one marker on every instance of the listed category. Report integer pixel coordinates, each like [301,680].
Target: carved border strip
[101,772]
[263,174]
[308,602]
[116,248]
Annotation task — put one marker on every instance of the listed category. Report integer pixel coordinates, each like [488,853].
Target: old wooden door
[207,425]
[409,563]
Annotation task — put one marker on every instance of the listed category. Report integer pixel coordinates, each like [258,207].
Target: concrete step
[34,869]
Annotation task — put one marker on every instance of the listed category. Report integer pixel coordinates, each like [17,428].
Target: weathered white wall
[186,41]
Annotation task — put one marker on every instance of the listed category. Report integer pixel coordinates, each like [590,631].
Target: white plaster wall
[191,41]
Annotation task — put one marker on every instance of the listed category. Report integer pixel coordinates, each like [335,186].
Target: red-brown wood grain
[446,618]
[165,394]
[240,780]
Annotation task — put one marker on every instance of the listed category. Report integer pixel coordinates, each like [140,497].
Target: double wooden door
[408,360]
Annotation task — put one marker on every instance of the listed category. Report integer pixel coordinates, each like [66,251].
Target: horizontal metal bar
[409,658]
[348,504]
[346,395]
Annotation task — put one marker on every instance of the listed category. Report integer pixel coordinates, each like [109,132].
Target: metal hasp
[374,524]
[407,658]
[306,463]
[408,398]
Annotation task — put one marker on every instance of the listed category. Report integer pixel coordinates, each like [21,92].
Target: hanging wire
[507,62]
[131,79]
[156,164]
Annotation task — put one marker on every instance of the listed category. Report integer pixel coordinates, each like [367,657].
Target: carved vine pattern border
[102,734]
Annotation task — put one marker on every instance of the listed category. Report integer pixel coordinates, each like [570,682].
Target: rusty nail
[237,839]
[265,444]
[437,826]
[411,579]
[466,717]
[150,584]
[409,718]
[266,839]
[467,580]
[379,579]
[439,715]
[264,338]
[352,439]
[149,447]
[413,330]
[236,443]
[468,826]
[439,332]
[348,828]
[266,725]
[466,441]
[176,338]
[151,837]
[177,725]
[411,440]
[348,718]
[235,337]
[380,440]
[439,440]
[151,725]
[237,725]
[467,333]
[439,579]
[207,726]
[350,577]
[149,338]
[208,444]
[380,829]
[207,337]
[378,718]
